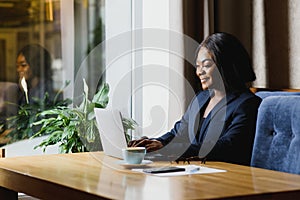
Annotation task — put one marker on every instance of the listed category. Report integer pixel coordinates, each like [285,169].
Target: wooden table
[3,137]
[96,176]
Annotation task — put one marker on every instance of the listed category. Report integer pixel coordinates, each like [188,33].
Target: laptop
[111,131]
[113,137]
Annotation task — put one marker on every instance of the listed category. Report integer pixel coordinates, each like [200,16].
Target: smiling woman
[219,123]
[205,68]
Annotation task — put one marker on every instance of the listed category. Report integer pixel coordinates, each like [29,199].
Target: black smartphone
[163,170]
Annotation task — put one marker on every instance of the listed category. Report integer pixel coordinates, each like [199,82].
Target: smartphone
[163,170]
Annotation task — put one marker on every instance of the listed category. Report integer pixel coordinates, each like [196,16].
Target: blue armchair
[277,139]
[264,94]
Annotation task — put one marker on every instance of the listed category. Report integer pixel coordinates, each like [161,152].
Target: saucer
[129,166]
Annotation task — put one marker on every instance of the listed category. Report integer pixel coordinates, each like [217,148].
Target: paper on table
[202,170]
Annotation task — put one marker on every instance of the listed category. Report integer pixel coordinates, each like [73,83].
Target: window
[101,41]
[33,29]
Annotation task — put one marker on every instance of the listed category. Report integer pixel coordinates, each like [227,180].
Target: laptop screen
[111,131]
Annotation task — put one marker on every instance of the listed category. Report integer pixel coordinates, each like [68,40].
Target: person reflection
[34,65]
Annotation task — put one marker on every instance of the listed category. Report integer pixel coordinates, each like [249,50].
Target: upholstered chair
[264,94]
[277,139]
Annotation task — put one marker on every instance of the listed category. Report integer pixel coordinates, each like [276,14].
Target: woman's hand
[135,143]
[151,145]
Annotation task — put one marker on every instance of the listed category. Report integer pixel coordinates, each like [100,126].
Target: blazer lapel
[218,112]
[194,117]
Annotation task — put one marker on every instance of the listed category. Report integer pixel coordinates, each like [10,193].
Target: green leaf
[101,97]
[73,128]
[91,115]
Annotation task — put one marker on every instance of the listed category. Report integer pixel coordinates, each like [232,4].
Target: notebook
[111,131]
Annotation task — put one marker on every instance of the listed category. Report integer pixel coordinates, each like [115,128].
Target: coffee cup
[134,155]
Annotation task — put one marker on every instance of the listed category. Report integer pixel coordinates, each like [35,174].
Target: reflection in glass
[27,23]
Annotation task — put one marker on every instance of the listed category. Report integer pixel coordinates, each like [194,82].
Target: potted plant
[21,126]
[75,129]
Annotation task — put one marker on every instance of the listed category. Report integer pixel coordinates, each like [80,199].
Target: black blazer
[226,134]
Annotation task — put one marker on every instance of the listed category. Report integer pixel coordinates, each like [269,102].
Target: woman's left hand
[150,144]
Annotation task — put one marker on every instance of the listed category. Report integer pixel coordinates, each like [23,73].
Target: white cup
[134,155]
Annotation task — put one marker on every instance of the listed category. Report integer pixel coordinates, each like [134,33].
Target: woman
[219,124]
[34,64]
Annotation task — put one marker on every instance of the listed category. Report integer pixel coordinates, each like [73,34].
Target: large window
[114,41]
[68,31]
[30,48]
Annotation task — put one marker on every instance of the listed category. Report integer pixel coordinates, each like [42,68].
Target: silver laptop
[111,131]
